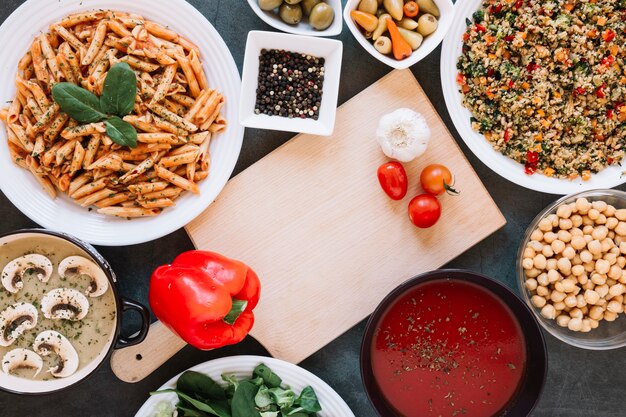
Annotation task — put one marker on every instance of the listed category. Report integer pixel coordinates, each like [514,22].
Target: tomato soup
[448,348]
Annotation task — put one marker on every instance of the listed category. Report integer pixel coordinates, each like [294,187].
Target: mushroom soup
[57,310]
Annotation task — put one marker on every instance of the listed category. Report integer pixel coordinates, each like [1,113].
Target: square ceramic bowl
[431,41]
[330,50]
[272,18]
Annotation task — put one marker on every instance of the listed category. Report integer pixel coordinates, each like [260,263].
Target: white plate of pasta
[78,176]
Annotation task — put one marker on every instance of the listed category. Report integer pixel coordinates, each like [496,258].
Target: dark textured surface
[580,383]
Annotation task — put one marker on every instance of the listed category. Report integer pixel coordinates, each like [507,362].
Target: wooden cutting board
[311,219]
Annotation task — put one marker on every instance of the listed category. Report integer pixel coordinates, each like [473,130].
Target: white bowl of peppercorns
[290,83]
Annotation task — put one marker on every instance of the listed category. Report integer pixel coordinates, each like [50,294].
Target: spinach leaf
[216,409]
[190,412]
[78,103]
[198,385]
[308,400]
[119,91]
[121,132]
[271,379]
[283,397]
[238,307]
[269,414]
[262,399]
[243,401]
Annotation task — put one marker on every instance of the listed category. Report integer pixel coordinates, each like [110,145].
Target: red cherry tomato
[393,180]
[437,179]
[424,210]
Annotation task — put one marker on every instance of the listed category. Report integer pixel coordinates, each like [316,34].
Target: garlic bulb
[403,134]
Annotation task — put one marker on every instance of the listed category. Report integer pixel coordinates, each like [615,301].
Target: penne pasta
[176,179]
[96,43]
[39,63]
[129,211]
[83,130]
[194,87]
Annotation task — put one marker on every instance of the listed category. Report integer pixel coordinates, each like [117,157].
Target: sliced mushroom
[15,320]
[20,358]
[13,273]
[64,303]
[48,342]
[98,281]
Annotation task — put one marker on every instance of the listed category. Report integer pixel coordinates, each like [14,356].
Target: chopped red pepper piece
[518,4]
[490,72]
[511,84]
[205,298]
[609,114]
[608,35]
[509,38]
[507,135]
[460,79]
[607,61]
[609,161]
[479,28]
[532,157]
[466,37]
[533,66]
[530,169]
[579,91]
[600,91]
[495,8]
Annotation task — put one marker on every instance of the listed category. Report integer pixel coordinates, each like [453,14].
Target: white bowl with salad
[256,381]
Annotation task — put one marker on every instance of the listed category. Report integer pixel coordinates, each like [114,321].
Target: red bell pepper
[205,298]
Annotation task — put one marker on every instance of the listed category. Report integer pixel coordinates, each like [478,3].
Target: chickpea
[538,301]
[591,297]
[588,229]
[583,206]
[594,323]
[601,219]
[543,291]
[535,245]
[587,221]
[619,298]
[565,265]
[621,261]
[586,256]
[588,286]
[548,311]
[602,290]
[596,312]
[611,223]
[558,246]
[564,236]
[549,237]
[620,214]
[598,279]
[622,247]
[577,220]
[575,231]
[537,235]
[553,276]
[609,211]
[606,245]
[620,229]
[602,266]
[615,272]
[619,239]
[565,224]
[587,238]
[615,307]
[611,257]
[622,280]
[585,310]
[533,273]
[543,280]
[564,211]
[540,261]
[599,205]
[599,233]
[554,219]
[551,264]
[576,291]
[531,284]
[595,247]
[545,225]
[578,270]
[562,320]
[569,252]
[589,266]
[586,326]
[577,260]
[611,234]
[583,279]
[557,296]
[570,301]
[560,306]
[575,324]
[580,301]
[593,214]
[578,242]
[610,316]
[616,290]
[547,251]
[610,282]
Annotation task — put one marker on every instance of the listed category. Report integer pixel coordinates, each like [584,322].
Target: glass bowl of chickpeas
[571,268]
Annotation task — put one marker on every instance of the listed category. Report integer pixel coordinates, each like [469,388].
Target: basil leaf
[271,379]
[308,400]
[80,104]
[121,132]
[199,385]
[238,307]
[119,91]
[243,404]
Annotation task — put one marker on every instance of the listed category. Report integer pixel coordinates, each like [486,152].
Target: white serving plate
[17,33]
[329,49]
[242,366]
[504,166]
[271,18]
[446,9]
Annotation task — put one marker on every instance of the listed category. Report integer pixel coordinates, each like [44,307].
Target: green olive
[269,4]
[291,13]
[322,16]
[308,5]
[292,1]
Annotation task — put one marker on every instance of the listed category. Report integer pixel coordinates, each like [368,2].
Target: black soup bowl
[99,328]
[452,343]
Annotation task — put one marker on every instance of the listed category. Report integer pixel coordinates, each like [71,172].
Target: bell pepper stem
[238,307]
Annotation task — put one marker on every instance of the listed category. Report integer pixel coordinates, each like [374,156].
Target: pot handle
[128,304]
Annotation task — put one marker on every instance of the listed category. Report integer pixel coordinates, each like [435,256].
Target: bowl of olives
[399,33]
[301,17]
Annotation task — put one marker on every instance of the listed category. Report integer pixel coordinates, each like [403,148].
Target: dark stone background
[580,383]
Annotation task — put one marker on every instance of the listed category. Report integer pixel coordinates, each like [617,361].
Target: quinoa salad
[545,82]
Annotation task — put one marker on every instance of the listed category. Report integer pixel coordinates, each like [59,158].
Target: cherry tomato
[424,210]
[437,179]
[393,180]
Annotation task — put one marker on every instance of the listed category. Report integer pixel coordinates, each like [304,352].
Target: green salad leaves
[263,395]
[117,100]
